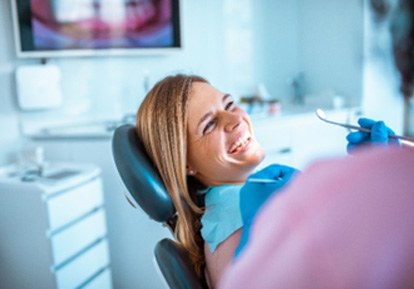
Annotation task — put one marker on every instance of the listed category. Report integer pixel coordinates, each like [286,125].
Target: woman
[204,148]
[198,138]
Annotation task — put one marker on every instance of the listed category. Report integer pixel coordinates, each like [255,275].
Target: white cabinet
[132,235]
[53,229]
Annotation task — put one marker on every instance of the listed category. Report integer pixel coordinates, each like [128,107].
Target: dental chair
[147,190]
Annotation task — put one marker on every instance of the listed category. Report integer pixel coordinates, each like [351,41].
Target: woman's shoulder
[222,214]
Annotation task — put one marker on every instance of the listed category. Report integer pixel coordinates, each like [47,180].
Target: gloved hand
[378,136]
[254,194]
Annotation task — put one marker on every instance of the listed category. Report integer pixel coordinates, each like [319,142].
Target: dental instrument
[263,181]
[322,116]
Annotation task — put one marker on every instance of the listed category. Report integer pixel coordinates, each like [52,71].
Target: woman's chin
[254,158]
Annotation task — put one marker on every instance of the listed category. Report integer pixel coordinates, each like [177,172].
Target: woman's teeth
[241,142]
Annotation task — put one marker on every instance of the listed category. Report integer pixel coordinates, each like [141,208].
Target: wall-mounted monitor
[61,28]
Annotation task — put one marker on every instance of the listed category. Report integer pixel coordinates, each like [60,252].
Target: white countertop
[55,176]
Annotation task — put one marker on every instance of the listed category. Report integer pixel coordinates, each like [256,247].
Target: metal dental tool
[322,116]
[263,181]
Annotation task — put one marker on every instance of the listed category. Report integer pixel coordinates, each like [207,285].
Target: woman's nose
[231,121]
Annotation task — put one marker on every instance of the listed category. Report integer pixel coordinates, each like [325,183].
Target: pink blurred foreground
[344,223]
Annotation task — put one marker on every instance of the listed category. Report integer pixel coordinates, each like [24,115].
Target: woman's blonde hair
[162,128]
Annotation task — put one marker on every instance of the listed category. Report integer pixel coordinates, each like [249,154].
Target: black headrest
[175,265]
[139,174]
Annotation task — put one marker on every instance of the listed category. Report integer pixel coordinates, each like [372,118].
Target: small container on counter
[274,107]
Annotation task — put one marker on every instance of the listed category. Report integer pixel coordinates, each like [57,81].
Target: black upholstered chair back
[147,190]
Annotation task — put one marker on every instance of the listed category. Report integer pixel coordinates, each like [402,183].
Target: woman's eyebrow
[227,95]
[207,115]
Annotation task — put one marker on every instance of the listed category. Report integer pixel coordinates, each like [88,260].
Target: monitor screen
[53,28]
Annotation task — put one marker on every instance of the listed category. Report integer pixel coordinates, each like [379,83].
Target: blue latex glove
[254,194]
[378,136]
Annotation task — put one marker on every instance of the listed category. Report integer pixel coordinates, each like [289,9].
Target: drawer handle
[286,150]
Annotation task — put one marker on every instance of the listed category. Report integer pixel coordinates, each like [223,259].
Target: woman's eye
[209,126]
[230,105]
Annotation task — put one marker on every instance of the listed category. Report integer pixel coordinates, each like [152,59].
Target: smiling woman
[204,148]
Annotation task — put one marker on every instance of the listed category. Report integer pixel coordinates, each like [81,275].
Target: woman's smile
[241,144]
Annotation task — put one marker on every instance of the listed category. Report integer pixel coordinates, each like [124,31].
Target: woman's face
[221,146]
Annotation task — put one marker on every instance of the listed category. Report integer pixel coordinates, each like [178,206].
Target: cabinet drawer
[73,203]
[84,267]
[102,281]
[273,137]
[77,237]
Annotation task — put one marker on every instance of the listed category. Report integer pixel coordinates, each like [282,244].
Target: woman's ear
[189,171]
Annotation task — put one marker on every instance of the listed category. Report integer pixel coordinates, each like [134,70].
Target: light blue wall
[9,131]
[276,51]
[332,40]
[322,39]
